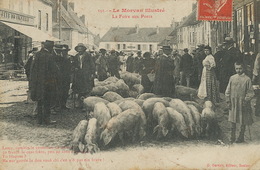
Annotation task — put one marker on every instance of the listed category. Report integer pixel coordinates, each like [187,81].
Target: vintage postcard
[129,84]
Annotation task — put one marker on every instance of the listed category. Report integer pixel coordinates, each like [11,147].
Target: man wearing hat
[65,68]
[199,57]
[148,66]
[227,68]
[177,61]
[27,68]
[84,73]
[138,62]
[57,54]
[164,78]
[101,65]
[186,67]
[43,81]
[129,63]
[114,64]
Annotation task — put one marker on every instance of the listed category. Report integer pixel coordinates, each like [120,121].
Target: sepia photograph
[129,84]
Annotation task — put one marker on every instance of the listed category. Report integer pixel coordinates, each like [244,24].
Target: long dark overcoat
[43,77]
[83,78]
[164,81]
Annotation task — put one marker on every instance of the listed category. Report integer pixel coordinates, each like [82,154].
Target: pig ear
[155,129]
[81,147]
[107,137]
[165,131]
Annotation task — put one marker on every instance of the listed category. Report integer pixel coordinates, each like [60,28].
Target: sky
[100,19]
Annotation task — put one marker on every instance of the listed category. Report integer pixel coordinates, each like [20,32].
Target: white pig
[78,135]
[91,136]
[178,122]
[114,109]
[197,118]
[161,115]
[182,108]
[128,120]
[102,114]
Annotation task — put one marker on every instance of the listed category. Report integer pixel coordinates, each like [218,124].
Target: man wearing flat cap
[186,67]
[138,62]
[101,65]
[227,68]
[129,63]
[199,57]
[164,83]
[114,64]
[84,74]
[43,82]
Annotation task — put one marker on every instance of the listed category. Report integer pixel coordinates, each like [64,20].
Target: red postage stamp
[215,10]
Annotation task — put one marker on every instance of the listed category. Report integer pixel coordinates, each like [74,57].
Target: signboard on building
[215,10]
[15,17]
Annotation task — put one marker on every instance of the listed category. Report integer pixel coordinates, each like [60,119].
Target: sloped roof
[191,19]
[171,39]
[71,21]
[67,21]
[128,34]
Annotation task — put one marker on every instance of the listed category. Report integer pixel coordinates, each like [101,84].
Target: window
[118,46]
[139,47]
[124,46]
[144,47]
[47,21]
[108,46]
[39,19]
[151,47]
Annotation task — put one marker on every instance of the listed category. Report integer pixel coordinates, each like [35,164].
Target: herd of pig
[112,116]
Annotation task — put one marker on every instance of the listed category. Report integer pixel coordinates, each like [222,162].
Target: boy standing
[239,93]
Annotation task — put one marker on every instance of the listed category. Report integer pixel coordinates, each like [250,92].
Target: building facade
[191,32]
[21,30]
[129,39]
[69,27]
[247,25]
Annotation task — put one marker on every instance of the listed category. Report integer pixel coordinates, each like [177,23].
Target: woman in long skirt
[208,89]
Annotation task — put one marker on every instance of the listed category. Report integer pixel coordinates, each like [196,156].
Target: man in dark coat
[218,58]
[65,76]
[57,55]
[186,67]
[101,65]
[43,81]
[27,68]
[227,68]
[256,82]
[84,73]
[164,79]
[114,64]
[137,62]
[148,66]
[129,63]
[200,56]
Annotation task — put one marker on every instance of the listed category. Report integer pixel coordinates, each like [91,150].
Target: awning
[30,31]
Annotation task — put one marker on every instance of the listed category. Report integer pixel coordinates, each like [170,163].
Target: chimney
[137,28]
[194,6]
[65,4]
[71,4]
[82,18]
[157,30]
[173,24]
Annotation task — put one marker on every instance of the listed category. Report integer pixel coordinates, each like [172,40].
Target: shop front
[247,25]
[18,35]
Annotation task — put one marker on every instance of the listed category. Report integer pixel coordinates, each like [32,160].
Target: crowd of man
[52,73]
